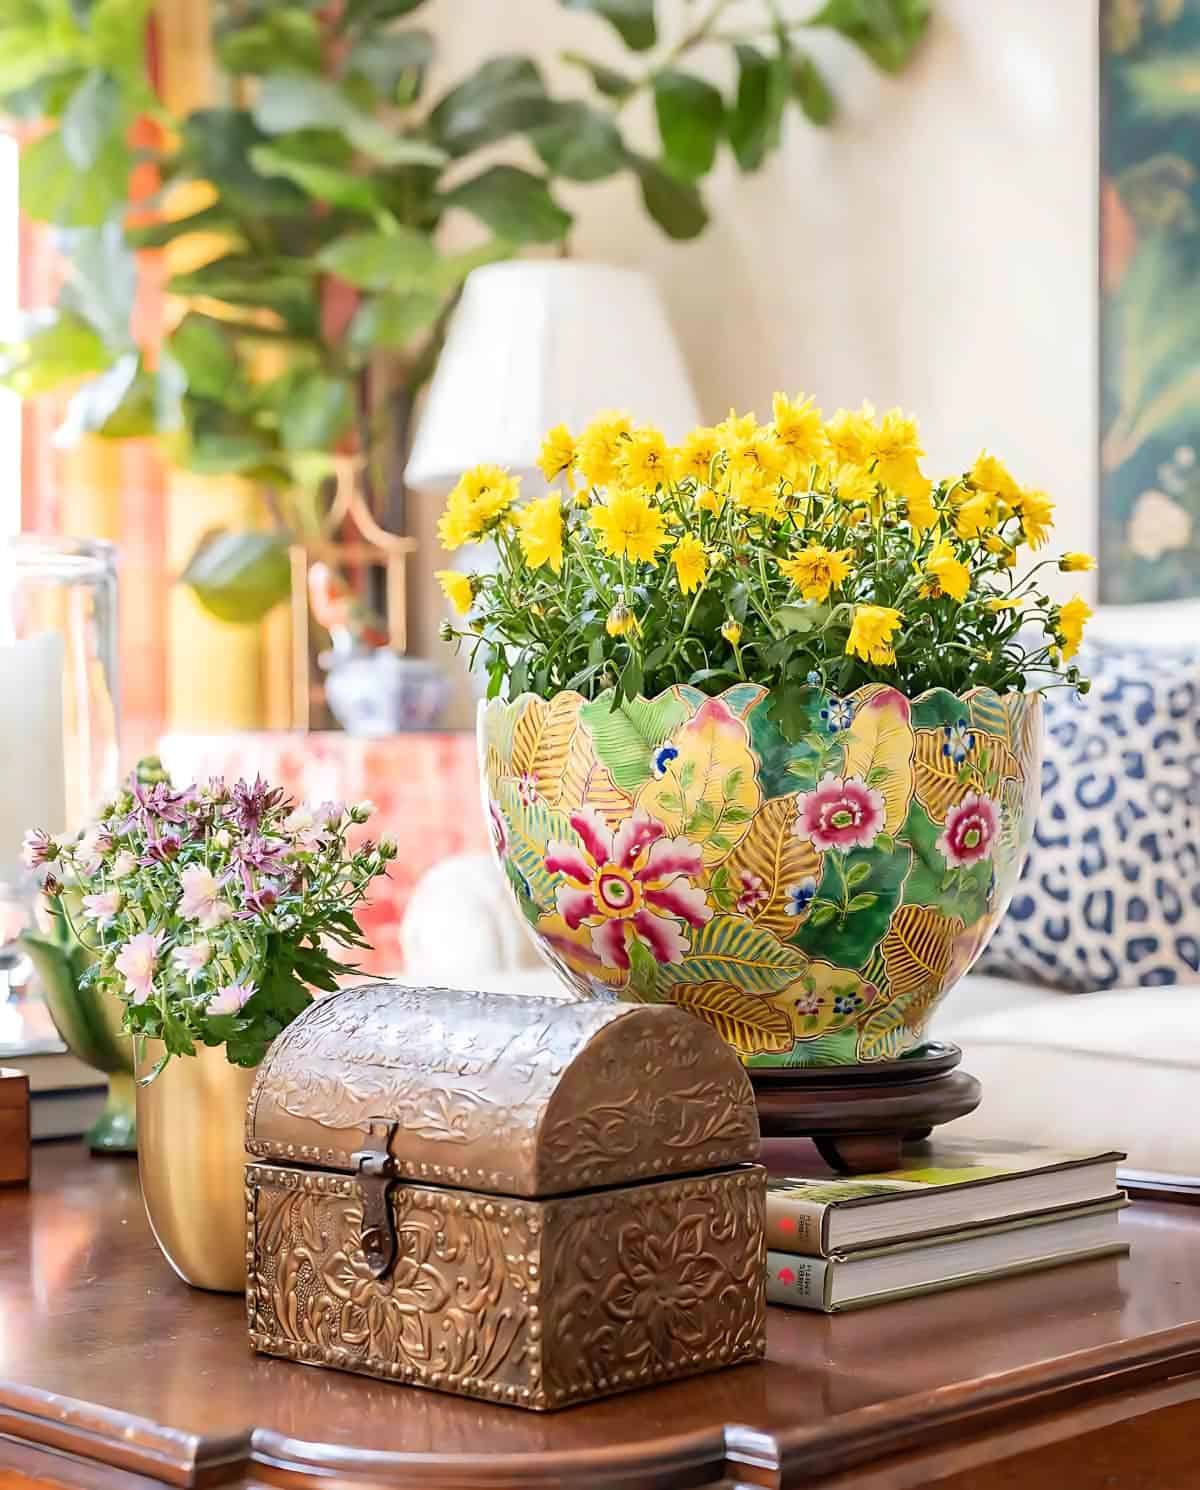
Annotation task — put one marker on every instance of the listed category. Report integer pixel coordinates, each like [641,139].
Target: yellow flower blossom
[621,621]
[816,570]
[644,460]
[896,448]
[629,526]
[976,515]
[691,563]
[731,630]
[736,428]
[457,588]
[990,474]
[482,494]
[850,436]
[918,503]
[1072,618]
[709,500]
[1002,602]
[1036,511]
[540,531]
[1076,563]
[558,455]
[599,448]
[800,431]
[944,566]
[872,633]
[696,455]
[995,544]
[855,486]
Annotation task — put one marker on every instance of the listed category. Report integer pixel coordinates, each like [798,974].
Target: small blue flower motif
[846,1003]
[662,758]
[959,741]
[814,679]
[838,714]
[799,897]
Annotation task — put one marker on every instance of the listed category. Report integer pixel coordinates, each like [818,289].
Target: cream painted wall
[935,248]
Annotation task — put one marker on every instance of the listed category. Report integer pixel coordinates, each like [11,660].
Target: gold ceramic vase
[191,1155]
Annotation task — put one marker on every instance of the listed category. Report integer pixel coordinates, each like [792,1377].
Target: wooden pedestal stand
[14,1127]
[858,1116]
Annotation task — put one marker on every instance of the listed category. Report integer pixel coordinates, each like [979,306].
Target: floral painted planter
[812,901]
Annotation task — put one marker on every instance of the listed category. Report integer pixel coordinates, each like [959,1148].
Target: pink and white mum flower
[201,899]
[230,998]
[102,907]
[971,829]
[193,958]
[841,814]
[631,885]
[137,961]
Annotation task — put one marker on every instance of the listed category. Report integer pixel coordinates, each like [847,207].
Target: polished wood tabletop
[112,1372]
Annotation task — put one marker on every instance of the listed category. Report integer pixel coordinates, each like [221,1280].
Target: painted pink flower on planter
[841,814]
[631,885]
[971,829]
[751,893]
[498,830]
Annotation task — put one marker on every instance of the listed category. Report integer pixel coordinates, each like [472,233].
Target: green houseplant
[319,309]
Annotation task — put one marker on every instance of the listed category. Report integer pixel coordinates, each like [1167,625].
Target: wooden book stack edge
[14,1127]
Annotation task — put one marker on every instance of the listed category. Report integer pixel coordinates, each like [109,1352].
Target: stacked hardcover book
[953,1213]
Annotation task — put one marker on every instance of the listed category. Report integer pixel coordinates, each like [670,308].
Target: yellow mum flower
[896,448]
[816,570]
[539,532]
[696,455]
[990,474]
[644,460]
[731,630]
[621,621]
[1072,618]
[629,526]
[755,491]
[855,486]
[872,632]
[482,494]
[736,428]
[1037,516]
[599,448]
[976,515]
[995,544]
[691,563]
[1074,563]
[708,500]
[850,436]
[799,429]
[457,588]
[558,455]
[944,566]
[918,502]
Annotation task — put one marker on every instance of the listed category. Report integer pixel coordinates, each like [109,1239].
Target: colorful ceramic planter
[813,901]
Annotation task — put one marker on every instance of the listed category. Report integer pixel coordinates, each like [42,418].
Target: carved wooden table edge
[60,1440]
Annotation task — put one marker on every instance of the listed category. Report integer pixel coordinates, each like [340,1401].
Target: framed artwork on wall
[1150,299]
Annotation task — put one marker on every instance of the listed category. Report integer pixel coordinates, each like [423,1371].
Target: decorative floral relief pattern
[535,1302]
[773,889]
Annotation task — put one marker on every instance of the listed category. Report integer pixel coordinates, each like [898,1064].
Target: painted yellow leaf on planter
[499,722]
[917,950]
[587,782]
[879,749]
[769,863]
[824,998]
[751,1024]
[941,784]
[541,739]
[708,790]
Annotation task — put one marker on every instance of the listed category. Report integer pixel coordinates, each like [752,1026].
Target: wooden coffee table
[114,1375]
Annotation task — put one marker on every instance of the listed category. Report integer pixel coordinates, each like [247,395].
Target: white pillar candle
[32,784]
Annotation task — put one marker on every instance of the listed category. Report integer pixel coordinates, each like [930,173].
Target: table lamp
[535,343]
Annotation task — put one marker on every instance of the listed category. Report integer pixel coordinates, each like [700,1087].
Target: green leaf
[788,710]
[96,406]
[288,102]
[54,190]
[504,96]
[239,577]
[450,272]
[402,259]
[811,91]
[691,117]
[580,143]
[212,219]
[626,738]
[821,915]
[606,80]
[750,118]
[376,12]
[633,19]
[856,875]
[861,903]
[888,31]
[385,60]
[102,282]
[285,37]
[389,322]
[90,119]
[514,204]
[321,182]
[216,145]
[54,349]
[676,206]
[314,411]
[802,619]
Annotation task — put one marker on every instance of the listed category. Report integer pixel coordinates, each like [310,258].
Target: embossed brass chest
[520,1199]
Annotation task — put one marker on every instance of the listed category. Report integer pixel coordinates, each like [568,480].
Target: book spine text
[798,1282]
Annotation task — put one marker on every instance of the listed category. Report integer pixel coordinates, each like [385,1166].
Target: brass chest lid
[501,1093]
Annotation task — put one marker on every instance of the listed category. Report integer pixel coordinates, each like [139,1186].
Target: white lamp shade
[539,343]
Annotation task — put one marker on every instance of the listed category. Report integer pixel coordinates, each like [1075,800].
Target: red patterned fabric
[425,788]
